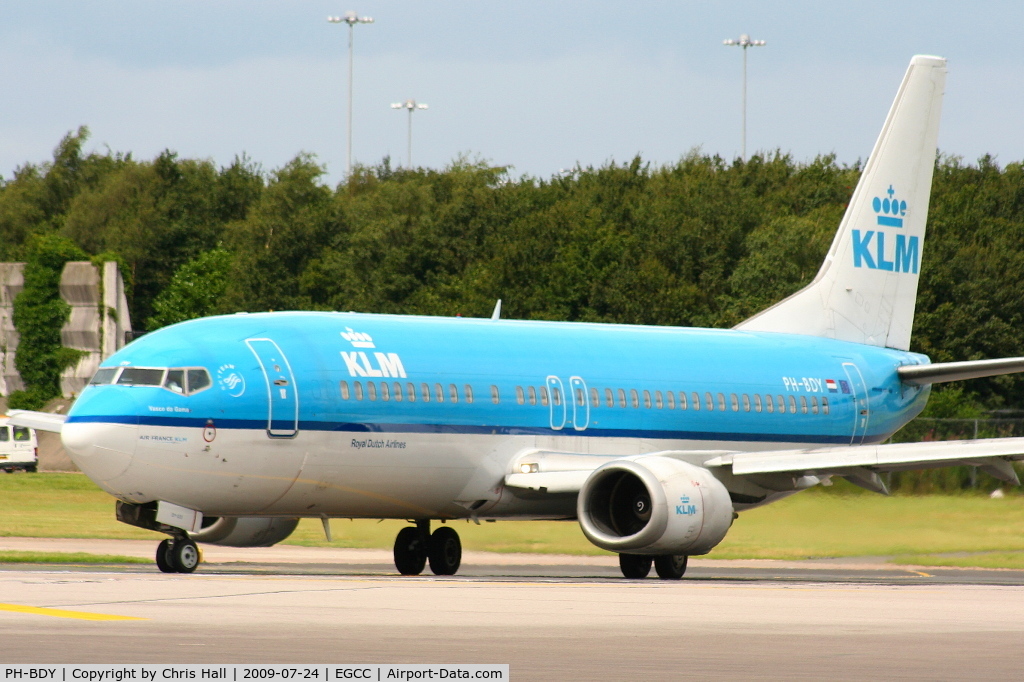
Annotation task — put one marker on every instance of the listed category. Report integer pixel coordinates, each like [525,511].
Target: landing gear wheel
[670,567]
[445,551]
[410,555]
[184,556]
[635,566]
[163,561]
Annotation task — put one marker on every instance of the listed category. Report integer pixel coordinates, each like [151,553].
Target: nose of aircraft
[101,450]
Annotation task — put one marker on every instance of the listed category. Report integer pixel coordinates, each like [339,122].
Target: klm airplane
[230,429]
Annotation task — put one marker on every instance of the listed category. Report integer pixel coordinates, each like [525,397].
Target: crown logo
[357,339]
[890,209]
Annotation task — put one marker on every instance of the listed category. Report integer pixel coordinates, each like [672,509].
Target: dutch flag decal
[831,385]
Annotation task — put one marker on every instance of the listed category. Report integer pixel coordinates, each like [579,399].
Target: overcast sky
[540,86]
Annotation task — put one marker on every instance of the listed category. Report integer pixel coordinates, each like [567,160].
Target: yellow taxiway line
[61,613]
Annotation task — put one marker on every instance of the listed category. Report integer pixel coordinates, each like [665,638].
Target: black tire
[635,566]
[410,555]
[31,469]
[670,566]
[445,551]
[163,558]
[185,556]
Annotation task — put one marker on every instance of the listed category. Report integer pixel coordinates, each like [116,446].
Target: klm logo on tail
[901,254]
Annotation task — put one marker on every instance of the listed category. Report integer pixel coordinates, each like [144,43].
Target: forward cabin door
[282,393]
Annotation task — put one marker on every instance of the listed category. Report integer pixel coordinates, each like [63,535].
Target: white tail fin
[867,287]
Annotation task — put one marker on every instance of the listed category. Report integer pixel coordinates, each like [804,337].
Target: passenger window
[803,404]
[21,433]
[595,398]
[757,402]
[385,394]
[709,402]
[658,401]
[622,398]
[792,405]
[531,393]
[609,398]
[425,392]
[104,375]
[647,399]
[769,405]
[780,403]
[696,400]
[198,380]
[371,390]
[734,401]
[398,392]
[410,392]
[671,399]
[344,390]
[495,396]
[814,404]
[5,434]
[520,396]
[581,398]
[746,403]
[634,398]
[469,394]
[721,402]
[453,393]
[439,393]
[824,405]
[175,380]
[556,395]
[358,386]
[543,395]
[682,400]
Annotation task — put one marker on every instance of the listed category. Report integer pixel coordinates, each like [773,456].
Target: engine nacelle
[654,505]
[248,531]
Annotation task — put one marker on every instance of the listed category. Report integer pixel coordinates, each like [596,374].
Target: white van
[19,448]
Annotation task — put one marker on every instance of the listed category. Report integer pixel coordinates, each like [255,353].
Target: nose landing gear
[178,555]
[415,546]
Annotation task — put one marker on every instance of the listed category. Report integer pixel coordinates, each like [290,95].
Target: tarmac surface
[548,617]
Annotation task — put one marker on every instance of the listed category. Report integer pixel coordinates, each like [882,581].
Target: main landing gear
[178,555]
[415,546]
[668,567]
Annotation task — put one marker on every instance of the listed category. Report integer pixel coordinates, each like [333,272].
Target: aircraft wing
[564,472]
[41,421]
[862,463]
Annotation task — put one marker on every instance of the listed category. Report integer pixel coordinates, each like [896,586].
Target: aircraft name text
[382,364]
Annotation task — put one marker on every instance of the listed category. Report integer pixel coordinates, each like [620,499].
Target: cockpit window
[198,379]
[141,376]
[183,380]
[104,375]
[175,381]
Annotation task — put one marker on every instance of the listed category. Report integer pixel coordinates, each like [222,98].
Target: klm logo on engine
[884,250]
[360,364]
[684,508]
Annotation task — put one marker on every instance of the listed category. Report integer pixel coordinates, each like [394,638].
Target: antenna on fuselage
[497,311]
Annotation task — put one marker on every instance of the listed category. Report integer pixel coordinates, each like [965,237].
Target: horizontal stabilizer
[41,421]
[919,375]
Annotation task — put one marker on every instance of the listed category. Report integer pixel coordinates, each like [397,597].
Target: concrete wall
[97,324]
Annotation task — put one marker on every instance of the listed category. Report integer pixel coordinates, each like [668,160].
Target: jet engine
[248,531]
[654,505]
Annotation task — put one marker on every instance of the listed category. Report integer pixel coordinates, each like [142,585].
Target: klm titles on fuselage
[889,251]
[360,364]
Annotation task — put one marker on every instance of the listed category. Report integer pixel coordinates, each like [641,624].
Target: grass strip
[28,557]
[813,524]
[1014,560]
